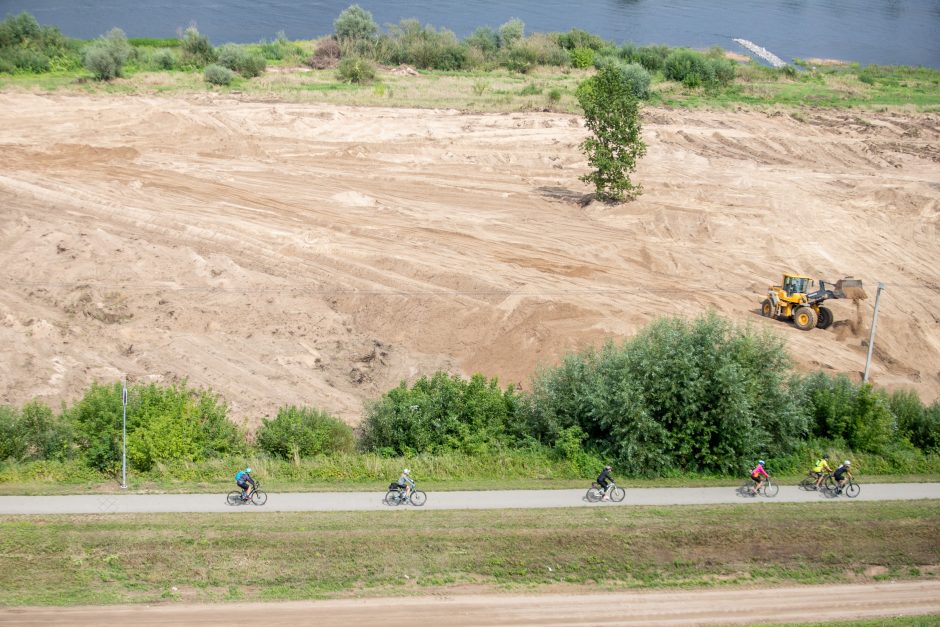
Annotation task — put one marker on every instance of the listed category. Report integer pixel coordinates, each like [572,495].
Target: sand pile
[288,253]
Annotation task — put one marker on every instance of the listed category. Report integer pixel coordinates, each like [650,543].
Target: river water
[904,32]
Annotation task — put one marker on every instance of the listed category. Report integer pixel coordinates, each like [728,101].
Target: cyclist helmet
[406,471]
[826,456]
[760,463]
[607,467]
[847,463]
[248,470]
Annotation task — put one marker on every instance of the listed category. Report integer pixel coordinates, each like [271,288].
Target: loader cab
[796,284]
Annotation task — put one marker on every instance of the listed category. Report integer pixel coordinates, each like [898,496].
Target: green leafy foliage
[576,38]
[163,60]
[97,420]
[633,73]
[693,69]
[696,395]
[612,115]
[511,32]
[178,424]
[163,424]
[298,432]
[105,58]
[33,433]
[423,46]
[582,57]
[484,39]
[919,424]
[240,60]
[196,49]
[440,414]
[355,70]
[848,412]
[279,49]
[355,23]
[218,74]
[26,46]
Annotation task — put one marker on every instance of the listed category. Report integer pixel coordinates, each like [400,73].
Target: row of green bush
[26,46]
[682,396]
[425,47]
[359,43]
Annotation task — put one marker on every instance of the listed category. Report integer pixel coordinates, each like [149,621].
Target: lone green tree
[612,114]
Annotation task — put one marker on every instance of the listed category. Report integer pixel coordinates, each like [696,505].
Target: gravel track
[715,606]
[495,499]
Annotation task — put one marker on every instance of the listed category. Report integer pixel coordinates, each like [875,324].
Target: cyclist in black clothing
[603,480]
[840,475]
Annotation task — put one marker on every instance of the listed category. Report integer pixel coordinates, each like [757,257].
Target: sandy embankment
[286,253]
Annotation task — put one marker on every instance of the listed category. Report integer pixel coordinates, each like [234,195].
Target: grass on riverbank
[63,560]
[544,88]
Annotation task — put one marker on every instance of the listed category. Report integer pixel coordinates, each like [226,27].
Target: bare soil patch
[724,606]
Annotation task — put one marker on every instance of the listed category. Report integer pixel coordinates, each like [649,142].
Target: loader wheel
[825,318]
[766,309]
[804,318]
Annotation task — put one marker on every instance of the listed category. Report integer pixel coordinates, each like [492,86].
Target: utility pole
[871,337]
[124,445]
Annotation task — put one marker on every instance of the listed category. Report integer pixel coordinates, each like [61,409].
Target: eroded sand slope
[286,253]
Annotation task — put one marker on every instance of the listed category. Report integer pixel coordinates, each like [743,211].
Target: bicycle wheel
[770,489]
[234,498]
[808,484]
[593,495]
[418,498]
[393,497]
[852,490]
[259,498]
[617,493]
[830,484]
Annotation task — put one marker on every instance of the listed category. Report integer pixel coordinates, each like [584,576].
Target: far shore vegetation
[411,64]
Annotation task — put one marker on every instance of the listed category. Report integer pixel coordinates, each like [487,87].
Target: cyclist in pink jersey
[758,475]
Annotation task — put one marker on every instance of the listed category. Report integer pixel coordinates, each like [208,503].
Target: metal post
[871,337]
[124,446]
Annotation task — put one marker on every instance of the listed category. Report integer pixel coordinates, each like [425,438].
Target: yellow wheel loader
[793,300]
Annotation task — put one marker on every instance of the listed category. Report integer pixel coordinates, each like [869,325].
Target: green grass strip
[61,560]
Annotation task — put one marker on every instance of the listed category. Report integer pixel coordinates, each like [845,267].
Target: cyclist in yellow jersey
[821,468]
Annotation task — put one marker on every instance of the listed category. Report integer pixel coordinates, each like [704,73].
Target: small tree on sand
[612,114]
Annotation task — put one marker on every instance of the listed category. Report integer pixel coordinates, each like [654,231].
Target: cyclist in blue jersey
[245,482]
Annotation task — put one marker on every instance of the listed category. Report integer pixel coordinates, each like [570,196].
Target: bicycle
[595,493]
[769,489]
[396,496]
[850,489]
[809,483]
[257,496]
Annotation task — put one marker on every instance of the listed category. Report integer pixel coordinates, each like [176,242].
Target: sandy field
[295,253]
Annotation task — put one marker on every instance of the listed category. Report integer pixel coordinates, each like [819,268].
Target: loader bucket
[850,288]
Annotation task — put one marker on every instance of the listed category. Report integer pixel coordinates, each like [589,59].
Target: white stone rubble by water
[762,52]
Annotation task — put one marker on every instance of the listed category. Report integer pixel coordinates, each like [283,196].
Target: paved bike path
[495,499]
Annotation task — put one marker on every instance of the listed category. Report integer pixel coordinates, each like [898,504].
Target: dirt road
[724,606]
[286,253]
[496,499]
